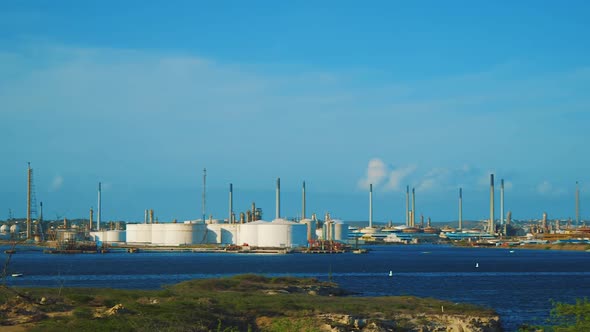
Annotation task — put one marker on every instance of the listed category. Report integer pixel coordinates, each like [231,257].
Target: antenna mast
[204,193]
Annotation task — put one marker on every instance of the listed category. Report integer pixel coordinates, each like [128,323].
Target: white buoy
[391,273]
[476,264]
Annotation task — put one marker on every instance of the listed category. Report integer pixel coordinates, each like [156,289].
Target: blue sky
[431,94]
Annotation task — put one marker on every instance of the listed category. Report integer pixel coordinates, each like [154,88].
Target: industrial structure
[278,233]
[249,230]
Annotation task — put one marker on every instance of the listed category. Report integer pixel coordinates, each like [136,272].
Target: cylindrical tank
[310,224]
[115,236]
[4,229]
[281,233]
[139,233]
[228,234]
[248,233]
[14,228]
[340,231]
[178,234]
[158,234]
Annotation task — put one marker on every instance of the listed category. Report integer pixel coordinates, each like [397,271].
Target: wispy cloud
[397,176]
[385,177]
[375,175]
[546,188]
[56,183]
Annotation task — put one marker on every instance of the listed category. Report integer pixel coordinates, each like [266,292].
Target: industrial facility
[249,230]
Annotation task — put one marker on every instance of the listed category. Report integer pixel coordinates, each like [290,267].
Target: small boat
[476,264]
[512,251]
[17,275]
[391,273]
[10,251]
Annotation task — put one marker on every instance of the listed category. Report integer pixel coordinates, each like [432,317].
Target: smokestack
[29,193]
[460,208]
[91,217]
[577,205]
[278,202]
[203,204]
[413,207]
[370,205]
[99,208]
[408,206]
[491,227]
[231,204]
[303,207]
[151,216]
[502,202]
[145,216]
[253,212]
[544,223]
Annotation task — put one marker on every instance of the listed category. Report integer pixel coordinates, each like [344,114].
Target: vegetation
[566,317]
[240,303]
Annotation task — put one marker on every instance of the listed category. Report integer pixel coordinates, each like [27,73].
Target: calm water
[519,285]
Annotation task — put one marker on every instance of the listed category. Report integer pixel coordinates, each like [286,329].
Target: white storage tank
[213,235]
[14,228]
[158,234]
[340,231]
[4,229]
[248,233]
[115,236]
[281,233]
[139,233]
[199,233]
[311,229]
[222,234]
[178,234]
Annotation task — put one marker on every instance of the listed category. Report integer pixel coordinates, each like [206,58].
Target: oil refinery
[249,231]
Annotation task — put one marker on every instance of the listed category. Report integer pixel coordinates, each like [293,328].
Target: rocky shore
[241,303]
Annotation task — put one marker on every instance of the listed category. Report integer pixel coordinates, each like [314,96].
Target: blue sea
[520,285]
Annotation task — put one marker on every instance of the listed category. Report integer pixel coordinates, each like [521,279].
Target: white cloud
[396,177]
[376,173]
[547,188]
[381,175]
[544,188]
[57,183]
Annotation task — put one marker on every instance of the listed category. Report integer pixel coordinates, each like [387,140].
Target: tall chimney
[577,205]
[303,198]
[151,216]
[29,193]
[278,202]
[408,206]
[204,196]
[41,215]
[371,205]
[413,207]
[491,225]
[231,204]
[91,218]
[145,216]
[460,208]
[253,212]
[544,222]
[502,202]
[99,208]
